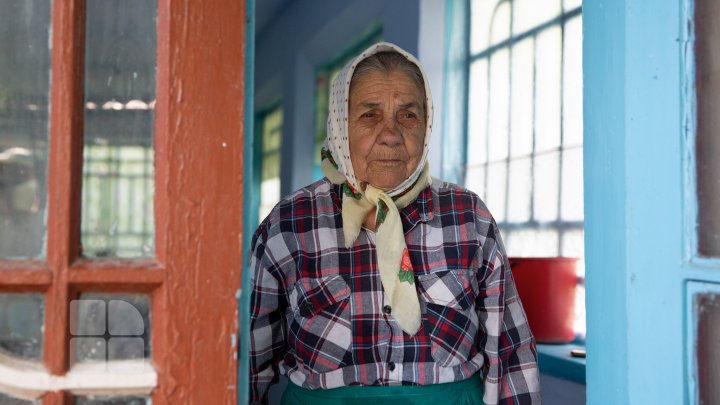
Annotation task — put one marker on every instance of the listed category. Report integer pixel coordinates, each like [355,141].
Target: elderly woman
[378,283]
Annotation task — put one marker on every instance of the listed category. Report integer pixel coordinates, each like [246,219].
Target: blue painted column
[605,195]
[250,204]
[634,205]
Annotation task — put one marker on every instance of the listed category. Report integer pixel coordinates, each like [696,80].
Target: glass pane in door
[103,400]
[24,113]
[707,346]
[21,325]
[707,51]
[118,175]
[9,400]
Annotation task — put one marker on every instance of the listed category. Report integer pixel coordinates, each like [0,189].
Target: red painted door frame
[198,207]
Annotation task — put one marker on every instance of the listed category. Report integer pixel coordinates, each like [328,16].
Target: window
[270,142]
[524,124]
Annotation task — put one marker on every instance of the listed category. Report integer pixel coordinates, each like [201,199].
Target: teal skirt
[457,393]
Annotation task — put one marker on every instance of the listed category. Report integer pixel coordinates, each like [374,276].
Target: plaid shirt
[318,312]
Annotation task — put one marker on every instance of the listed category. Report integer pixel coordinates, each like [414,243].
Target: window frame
[559,224]
[259,155]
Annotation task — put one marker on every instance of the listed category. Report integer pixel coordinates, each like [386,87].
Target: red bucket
[546,286]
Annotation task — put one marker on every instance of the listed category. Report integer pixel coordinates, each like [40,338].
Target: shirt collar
[420,210]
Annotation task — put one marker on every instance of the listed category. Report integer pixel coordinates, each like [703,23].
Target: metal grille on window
[524,155]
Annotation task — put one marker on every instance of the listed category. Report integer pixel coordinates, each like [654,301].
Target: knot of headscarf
[393,257]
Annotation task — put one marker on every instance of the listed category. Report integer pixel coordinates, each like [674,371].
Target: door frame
[640,200]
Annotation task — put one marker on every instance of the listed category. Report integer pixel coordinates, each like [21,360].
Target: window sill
[556,361]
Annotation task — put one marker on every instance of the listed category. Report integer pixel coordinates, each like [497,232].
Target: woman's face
[386,126]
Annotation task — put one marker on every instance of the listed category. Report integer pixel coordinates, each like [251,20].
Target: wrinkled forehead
[400,82]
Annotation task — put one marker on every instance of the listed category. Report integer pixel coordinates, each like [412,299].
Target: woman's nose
[390,134]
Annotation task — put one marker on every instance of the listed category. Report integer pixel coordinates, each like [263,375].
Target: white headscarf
[393,257]
[337,125]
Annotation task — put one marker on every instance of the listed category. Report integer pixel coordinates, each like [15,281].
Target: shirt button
[391,366]
[387,309]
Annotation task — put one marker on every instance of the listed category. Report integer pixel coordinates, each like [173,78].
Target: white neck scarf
[394,262]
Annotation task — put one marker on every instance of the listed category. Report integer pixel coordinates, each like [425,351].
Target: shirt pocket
[320,332]
[450,316]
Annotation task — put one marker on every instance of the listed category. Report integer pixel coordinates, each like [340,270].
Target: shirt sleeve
[267,310]
[510,370]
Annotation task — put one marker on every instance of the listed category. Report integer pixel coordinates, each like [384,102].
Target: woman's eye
[369,114]
[408,115]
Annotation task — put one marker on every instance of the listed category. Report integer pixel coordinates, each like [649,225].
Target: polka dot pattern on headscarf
[337,141]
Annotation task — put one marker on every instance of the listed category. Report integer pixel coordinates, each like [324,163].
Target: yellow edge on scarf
[390,245]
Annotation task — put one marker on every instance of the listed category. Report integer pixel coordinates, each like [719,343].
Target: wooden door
[651,201]
[189,278]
